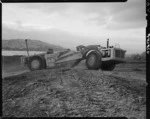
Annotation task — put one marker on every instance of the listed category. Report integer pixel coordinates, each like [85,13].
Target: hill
[34,45]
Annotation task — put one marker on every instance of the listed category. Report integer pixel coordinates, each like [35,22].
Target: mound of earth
[73,93]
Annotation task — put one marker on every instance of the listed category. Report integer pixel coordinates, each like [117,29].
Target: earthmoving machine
[95,56]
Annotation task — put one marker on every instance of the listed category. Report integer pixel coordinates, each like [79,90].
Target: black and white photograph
[79,59]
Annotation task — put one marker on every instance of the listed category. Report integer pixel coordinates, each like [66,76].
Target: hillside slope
[34,45]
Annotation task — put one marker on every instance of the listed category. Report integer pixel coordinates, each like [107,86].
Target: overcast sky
[72,24]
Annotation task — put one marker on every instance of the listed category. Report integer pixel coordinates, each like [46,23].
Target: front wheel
[93,60]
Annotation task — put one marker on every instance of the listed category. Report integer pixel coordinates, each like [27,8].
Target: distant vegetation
[136,57]
[34,45]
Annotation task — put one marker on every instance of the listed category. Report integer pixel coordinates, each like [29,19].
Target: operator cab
[50,51]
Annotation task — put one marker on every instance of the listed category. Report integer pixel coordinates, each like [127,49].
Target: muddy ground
[77,92]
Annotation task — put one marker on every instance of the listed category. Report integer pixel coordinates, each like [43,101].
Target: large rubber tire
[35,63]
[94,60]
[108,67]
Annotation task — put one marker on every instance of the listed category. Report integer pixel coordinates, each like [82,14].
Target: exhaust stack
[107,43]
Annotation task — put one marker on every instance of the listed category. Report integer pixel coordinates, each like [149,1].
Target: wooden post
[27,46]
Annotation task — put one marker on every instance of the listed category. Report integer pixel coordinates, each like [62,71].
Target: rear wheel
[35,63]
[93,60]
[108,67]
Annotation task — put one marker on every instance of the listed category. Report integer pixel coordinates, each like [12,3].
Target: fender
[89,52]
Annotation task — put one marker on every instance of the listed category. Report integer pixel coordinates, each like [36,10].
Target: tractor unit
[95,56]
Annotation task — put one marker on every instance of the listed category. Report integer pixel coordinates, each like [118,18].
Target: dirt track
[77,92]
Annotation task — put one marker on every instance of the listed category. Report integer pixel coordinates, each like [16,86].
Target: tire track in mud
[106,89]
[103,95]
[93,94]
